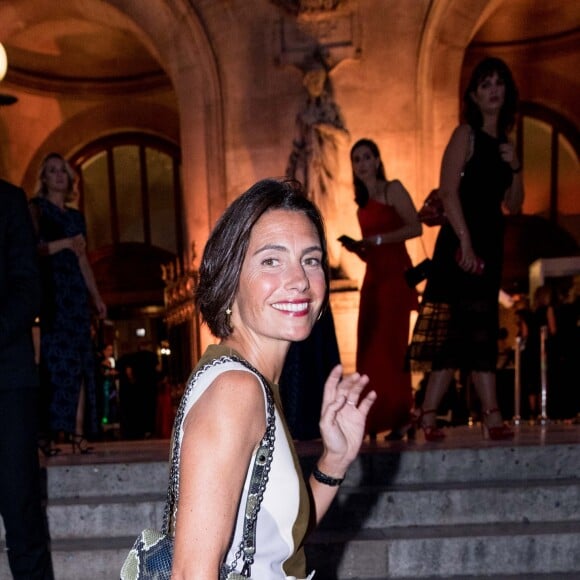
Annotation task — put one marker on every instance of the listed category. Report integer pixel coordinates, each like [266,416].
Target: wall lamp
[4,98]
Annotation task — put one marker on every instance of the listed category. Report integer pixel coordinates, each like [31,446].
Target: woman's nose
[297,278]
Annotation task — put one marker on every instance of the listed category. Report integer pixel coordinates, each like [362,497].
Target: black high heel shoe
[80,444]
[47,449]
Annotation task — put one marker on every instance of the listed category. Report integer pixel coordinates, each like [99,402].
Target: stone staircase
[416,511]
[455,513]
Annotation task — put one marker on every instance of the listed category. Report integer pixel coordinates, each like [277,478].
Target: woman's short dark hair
[361,194]
[486,68]
[225,250]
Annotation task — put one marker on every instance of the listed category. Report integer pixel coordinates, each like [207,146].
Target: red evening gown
[383,325]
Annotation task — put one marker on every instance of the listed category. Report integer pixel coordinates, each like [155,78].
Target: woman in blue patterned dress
[67,360]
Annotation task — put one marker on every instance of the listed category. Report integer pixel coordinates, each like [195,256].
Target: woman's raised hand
[343,416]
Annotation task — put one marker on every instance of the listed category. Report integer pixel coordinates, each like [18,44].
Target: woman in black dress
[457,327]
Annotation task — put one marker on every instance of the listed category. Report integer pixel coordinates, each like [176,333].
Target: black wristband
[517,169]
[326,479]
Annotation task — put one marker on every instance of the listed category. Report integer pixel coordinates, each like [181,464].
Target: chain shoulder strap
[259,478]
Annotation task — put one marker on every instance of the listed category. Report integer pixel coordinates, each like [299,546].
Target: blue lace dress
[67,358]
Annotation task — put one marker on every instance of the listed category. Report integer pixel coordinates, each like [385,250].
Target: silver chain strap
[258,480]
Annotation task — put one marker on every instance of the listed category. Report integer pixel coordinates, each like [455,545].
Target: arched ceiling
[525,21]
[66,48]
[87,48]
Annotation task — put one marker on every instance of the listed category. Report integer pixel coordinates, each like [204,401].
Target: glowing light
[3,62]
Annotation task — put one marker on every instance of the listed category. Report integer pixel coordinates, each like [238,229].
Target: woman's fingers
[367,402]
[352,386]
[331,384]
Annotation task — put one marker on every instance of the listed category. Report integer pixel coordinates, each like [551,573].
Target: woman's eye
[312,261]
[269,262]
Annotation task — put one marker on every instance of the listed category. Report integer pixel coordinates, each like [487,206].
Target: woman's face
[364,163]
[282,284]
[314,82]
[56,178]
[490,94]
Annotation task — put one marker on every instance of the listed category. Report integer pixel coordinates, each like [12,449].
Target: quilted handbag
[151,556]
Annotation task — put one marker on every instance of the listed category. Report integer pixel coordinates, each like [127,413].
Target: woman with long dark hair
[387,219]
[458,326]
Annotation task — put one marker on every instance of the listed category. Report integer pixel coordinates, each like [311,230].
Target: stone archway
[102,120]
[449,27]
[172,33]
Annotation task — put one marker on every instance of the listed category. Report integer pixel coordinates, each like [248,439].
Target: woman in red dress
[387,217]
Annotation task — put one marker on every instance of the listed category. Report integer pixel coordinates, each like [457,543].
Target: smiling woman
[263,283]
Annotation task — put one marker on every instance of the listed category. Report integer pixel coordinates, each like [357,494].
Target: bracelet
[326,479]
[517,169]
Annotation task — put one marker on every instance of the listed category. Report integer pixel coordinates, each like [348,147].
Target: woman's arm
[456,154]
[551,320]
[514,195]
[221,432]
[90,281]
[53,247]
[342,426]
[401,201]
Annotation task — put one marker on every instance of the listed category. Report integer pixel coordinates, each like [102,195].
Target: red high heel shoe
[432,432]
[497,432]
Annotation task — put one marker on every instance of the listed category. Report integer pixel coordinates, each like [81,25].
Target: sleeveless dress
[67,355]
[383,323]
[458,322]
[284,515]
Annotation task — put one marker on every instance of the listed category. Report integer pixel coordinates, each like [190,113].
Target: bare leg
[494,426]
[533,401]
[436,388]
[80,418]
[484,383]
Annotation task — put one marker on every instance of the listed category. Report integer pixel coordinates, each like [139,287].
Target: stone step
[455,504]
[497,462]
[90,559]
[106,479]
[528,551]
[355,508]
[448,551]
[507,510]
[98,517]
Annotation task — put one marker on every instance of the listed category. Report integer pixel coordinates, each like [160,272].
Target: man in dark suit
[20,294]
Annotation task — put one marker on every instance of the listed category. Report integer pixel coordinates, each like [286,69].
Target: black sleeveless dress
[458,324]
